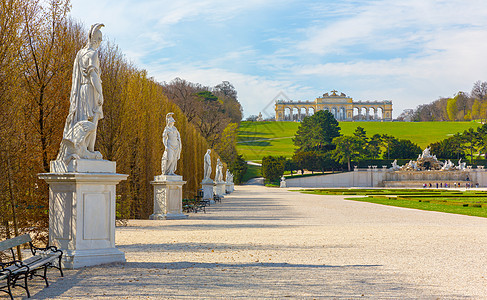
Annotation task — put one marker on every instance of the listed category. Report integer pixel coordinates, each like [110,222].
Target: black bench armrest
[45,250]
[6,267]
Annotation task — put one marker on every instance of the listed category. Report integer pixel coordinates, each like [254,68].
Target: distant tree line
[38,44]
[320,147]
[462,107]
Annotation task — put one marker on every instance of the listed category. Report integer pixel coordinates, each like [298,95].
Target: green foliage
[206,96]
[374,146]
[273,167]
[253,171]
[317,132]
[452,109]
[257,139]
[227,143]
[238,169]
[347,149]
[403,149]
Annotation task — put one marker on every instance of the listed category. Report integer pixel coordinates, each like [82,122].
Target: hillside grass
[470,202]
[258,139]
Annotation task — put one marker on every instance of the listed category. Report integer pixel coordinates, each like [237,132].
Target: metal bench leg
[9,291]
[45,275]
[26,287]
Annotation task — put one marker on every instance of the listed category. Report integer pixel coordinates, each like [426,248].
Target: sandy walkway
[272,243]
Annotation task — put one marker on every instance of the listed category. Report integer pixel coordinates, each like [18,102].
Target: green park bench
[14,271]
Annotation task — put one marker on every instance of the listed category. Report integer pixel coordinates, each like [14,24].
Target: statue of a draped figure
[172,143]
[86,100]
[207,165]
[219,171]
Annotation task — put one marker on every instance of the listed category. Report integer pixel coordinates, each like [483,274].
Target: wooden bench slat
[14,242]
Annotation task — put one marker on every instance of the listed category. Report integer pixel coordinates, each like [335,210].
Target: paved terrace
[273,243]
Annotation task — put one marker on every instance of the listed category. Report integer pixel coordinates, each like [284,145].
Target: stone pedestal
[207,185]
[228,187]
[82,212]
[220,188]
[168,197]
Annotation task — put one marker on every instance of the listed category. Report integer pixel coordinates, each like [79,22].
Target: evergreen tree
[317,132]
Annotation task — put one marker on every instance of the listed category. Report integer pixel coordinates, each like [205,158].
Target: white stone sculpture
[82,186]
[395,167]
[86,100]
[172,143]
[426,152]
[461,165]
[227,176]
[448,165]
[219,171]
[283,182]
[207,165]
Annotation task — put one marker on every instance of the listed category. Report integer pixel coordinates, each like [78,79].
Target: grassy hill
[258,139]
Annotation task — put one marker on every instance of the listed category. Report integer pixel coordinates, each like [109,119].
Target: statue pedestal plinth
[220,188]
[82,213]
[228,187]
[168,197]
[207,185]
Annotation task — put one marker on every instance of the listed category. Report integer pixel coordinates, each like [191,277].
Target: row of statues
[85,110]
[218,170]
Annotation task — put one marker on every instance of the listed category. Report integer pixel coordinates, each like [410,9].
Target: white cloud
[255,93]
[409,52]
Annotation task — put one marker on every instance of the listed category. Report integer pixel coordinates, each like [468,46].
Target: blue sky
[410,52]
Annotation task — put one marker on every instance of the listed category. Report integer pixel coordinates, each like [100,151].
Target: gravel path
[273,243]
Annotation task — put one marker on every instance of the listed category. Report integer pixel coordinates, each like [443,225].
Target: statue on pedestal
[219,171]
[86,100]
[207,165]
[172,143]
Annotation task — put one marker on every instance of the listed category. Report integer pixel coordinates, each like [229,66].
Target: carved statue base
[207,185]
[168,197]
[219,188]
[82,212]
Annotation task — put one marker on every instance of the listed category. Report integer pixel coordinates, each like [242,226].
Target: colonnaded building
[342,107]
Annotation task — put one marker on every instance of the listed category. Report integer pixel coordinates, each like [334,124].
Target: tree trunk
[12,202]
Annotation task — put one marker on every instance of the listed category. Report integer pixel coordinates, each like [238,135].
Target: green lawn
[471,203]
[252,172]
[258,139]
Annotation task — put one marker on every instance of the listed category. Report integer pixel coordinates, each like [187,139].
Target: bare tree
[479,90]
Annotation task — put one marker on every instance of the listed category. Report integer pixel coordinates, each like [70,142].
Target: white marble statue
[461,165]
[448,165]
[426,152]
[283,182]
[86,100]
[227,176]
[219,171]
[172,143]
[207,165]
[395,166]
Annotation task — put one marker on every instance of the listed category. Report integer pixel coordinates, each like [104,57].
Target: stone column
[82,212]
[207,185]
[219,188]
[168,197]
